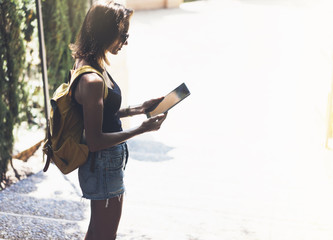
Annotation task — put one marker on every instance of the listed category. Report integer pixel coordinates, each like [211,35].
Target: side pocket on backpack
[70,155]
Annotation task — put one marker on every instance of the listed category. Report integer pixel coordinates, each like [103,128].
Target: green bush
[62,20]
[12,61]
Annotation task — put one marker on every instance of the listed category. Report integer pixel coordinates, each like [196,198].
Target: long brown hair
[103,24]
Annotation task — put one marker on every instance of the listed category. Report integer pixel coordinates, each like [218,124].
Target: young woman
[105,29]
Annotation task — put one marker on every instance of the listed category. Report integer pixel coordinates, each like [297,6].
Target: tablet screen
[169,100]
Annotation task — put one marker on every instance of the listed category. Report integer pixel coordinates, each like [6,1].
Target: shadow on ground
[150,151]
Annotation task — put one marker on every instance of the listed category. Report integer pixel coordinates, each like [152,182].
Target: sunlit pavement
[248,158]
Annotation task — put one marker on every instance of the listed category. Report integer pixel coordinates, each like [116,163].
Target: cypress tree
[62,20]
[57,37]
[77,10]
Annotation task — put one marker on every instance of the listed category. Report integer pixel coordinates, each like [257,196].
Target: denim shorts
[101,177]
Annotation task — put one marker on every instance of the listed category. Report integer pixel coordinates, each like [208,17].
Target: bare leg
[104,220]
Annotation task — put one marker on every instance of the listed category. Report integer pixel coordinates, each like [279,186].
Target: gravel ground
[27,227]
[47,206]
[17,200]
[42,206]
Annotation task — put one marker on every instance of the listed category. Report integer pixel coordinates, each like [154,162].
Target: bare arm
[130,111]
[89,93]
[140,109]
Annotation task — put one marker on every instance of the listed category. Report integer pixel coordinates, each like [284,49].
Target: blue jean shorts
[101,177]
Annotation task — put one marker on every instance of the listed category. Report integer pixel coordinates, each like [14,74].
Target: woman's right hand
[153,123]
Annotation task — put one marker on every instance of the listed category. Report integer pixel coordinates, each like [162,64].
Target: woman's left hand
[150,104]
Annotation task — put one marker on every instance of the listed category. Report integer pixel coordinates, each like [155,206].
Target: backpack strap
[86,69]
[74,76]
[48,148]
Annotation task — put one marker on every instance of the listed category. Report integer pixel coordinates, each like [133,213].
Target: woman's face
[118,43]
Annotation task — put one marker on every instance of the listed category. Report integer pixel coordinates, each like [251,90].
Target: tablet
[169,101]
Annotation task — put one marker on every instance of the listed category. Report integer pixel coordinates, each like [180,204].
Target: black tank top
[111,120]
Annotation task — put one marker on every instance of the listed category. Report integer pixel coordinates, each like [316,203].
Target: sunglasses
[124,37]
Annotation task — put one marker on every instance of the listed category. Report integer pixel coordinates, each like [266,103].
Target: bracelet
[128,110]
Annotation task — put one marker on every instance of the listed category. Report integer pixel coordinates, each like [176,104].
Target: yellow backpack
[63,145]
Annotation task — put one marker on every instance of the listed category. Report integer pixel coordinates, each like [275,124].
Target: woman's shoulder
[90,85]
[83,69]
[91,78]
[88,77]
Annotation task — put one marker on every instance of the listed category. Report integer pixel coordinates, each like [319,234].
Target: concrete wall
[148,4]
[152,4]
